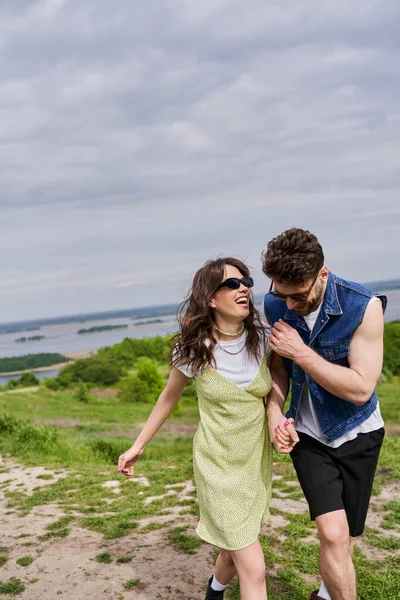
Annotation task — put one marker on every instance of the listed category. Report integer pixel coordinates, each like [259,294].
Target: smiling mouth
[242,302]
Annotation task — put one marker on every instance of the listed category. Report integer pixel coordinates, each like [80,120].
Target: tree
[28,380]
[145,385]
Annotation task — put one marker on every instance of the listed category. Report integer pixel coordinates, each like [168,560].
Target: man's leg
[335,559]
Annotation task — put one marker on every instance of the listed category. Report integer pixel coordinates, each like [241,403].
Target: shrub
[28,380]
[94,370]
[145,385]
[82,393]
[391,360]
[26,434]
[12,384]
[130,350]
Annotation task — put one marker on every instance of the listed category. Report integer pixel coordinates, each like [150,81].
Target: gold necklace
[230,334]
[231,353]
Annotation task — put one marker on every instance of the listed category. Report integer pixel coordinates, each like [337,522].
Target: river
[64,338]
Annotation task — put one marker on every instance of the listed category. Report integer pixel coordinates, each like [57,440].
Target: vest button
[329,440]
[319,405]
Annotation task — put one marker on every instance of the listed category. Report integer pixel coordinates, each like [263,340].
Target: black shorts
[338,478]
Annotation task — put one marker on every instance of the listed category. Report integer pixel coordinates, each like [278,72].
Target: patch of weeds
[24,561]
[52,534]
[301,556]
[34,580]
[299,525]
[45,476]
[3,559]
[60,524]
[57,529]
[12,586]
[111,526]
[383,542]
[184,541]
[267,544]
[130,583]
[377,579]
[28,544]
[393,518]
[153,526]
[124,559]
[104,557]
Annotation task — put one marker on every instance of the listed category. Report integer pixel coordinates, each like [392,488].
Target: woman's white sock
[217,586]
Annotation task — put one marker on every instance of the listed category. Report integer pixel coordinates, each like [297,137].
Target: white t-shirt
[239,368]
[306,420]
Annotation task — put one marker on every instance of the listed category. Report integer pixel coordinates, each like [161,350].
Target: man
[329,333]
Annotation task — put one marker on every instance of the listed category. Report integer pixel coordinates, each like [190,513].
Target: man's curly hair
[293,257]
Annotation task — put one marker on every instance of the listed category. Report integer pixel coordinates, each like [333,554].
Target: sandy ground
[64,567]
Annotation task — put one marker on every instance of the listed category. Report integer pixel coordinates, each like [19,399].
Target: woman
[221,344]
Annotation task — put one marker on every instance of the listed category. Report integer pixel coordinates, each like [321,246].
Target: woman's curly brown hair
[193,345]
[293,257]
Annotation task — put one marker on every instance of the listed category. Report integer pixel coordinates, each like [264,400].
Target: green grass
[3,559]
[393,518]
[88,440]
[154,526]
[130,583]
[124,559]
[13,586]
[185,542]
[103,557]
[388,394]
[25,561]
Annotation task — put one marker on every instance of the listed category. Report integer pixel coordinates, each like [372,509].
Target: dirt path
[64,567]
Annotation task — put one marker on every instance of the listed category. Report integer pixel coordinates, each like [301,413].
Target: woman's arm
[165,404]
[282,432]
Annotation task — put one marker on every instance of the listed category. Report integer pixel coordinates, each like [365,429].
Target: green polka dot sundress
[232,459]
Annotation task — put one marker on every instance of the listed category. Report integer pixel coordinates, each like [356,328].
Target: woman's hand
[282,432]
[127,461]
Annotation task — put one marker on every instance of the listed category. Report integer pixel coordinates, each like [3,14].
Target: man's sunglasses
[233,283]
[296,297]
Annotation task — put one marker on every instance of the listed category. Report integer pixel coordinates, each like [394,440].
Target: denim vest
[341,313]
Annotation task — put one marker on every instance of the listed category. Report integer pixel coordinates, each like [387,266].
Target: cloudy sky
[138,139]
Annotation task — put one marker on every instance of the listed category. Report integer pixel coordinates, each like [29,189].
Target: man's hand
[282,432]
[286,341]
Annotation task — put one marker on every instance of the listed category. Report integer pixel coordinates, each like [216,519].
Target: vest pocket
[336,353]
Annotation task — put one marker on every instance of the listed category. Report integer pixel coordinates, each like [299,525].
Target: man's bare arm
[355,384]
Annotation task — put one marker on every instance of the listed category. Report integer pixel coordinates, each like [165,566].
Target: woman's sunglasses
[234,283]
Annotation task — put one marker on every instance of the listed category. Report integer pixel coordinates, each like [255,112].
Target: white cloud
[138,139]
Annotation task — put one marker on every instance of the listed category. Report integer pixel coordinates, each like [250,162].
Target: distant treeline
[31,361]
[149,322]
[5,329]
[147,312]
[32,338]
[101,328]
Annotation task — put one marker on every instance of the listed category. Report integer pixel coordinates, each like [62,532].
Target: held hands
[285,340]
[283,434]
[127,461]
